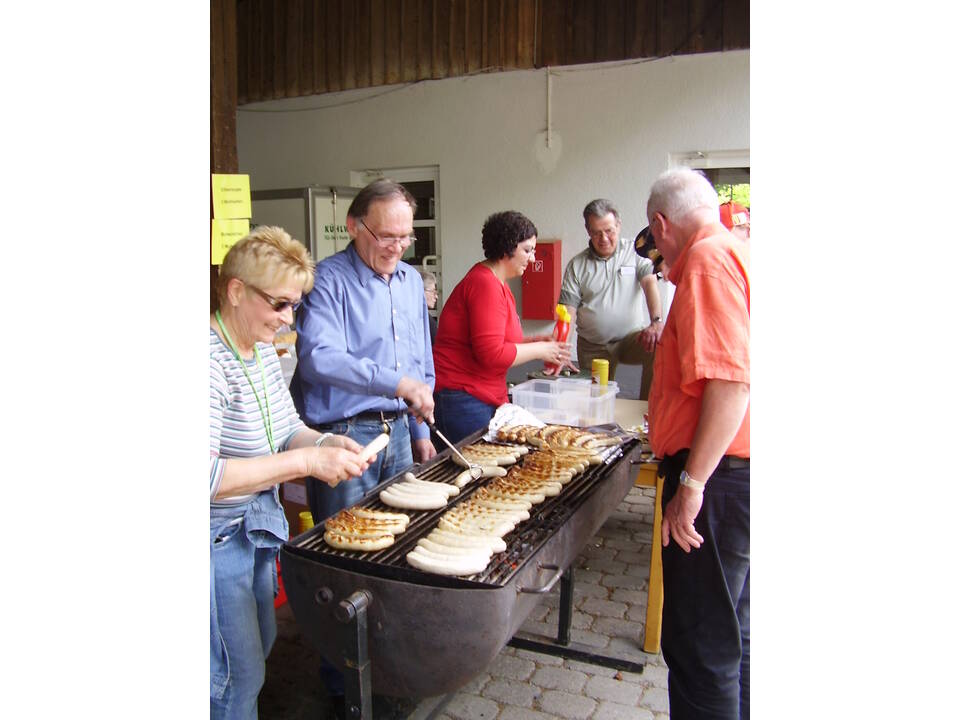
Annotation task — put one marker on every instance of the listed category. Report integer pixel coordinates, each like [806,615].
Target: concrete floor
[609,610]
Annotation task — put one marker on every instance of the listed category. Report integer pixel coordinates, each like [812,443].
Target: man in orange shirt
[700,427]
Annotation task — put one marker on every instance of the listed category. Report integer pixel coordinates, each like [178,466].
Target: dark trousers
[459,413]
[706,602]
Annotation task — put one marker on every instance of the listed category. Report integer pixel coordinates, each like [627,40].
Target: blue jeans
[458,413]
[706,603]
[325,501]
[244,542]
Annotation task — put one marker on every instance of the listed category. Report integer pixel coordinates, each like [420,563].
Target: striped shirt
[236,425]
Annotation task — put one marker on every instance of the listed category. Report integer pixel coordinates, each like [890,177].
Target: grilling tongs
[476,472]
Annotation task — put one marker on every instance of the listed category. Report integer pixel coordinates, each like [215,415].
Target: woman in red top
[479,337]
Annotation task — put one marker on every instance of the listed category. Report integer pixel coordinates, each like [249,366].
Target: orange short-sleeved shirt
[707,337]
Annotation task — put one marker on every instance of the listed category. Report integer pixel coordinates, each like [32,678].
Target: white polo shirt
[606,292]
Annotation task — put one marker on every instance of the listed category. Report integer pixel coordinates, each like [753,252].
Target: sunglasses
[277,304]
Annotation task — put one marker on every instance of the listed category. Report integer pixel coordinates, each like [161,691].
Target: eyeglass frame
[275,303]
[405,242]
[609,233]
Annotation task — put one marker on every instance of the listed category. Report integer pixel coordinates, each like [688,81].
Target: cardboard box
[293,497]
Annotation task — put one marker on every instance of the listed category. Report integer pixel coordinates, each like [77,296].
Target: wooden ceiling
[293,48]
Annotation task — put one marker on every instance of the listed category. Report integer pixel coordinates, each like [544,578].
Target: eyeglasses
[609,232]
[386,242]
[275,303]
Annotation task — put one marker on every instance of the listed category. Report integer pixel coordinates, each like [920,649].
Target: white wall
[613,124]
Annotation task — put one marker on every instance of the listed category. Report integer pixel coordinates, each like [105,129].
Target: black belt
[732,462]
[384,417]
[727,462]
[379,416]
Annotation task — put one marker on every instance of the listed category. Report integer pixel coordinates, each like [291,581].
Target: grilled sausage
[349,542]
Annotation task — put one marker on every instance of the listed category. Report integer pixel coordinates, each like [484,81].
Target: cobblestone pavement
[610,596]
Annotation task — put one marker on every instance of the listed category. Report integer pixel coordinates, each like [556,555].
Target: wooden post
[223,102]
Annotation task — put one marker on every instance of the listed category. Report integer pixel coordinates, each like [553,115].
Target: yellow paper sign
[231,196]
[223,235]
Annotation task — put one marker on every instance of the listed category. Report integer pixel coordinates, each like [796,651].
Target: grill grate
[522,542]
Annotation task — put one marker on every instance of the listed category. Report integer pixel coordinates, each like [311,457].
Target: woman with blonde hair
[256,442]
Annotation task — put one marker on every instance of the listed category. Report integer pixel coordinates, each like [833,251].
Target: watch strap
[688,481]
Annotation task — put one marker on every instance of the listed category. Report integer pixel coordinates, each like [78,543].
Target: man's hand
[650,336]
[418,396]
[678,518]
[423,450]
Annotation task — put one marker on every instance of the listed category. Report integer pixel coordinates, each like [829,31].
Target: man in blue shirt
[363,346]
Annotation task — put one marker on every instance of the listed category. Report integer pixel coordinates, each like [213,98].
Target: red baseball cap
[733,214]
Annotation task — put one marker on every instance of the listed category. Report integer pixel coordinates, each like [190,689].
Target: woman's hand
[342,441]
[556,352]
[333,465]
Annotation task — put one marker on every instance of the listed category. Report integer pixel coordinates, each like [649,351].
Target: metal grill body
[429,634]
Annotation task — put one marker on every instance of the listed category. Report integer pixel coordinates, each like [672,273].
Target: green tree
[736,193]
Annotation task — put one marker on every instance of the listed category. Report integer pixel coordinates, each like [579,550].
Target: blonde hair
[264,258]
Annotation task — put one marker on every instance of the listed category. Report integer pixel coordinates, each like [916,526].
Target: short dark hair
[598,208]
[377,191]
[503,231]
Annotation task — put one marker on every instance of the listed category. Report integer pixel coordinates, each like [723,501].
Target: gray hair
[598,208]
[378,191]
[679,191]
[429,279]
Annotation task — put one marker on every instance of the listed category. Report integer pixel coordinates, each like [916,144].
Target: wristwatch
[323,436]
[656,319]
[688,481]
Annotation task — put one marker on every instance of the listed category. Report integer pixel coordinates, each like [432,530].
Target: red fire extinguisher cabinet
[540,286]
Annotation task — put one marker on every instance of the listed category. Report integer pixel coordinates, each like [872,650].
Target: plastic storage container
[567,401]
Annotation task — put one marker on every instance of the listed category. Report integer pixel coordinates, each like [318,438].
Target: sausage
[451,490]
[517,503]
[363,529]
[439,548]
[486,471]
[431,548]
[534,497]
[412,502]
[460,539]
[347,542]
[506,506]
[375,446]
[485,459]
[406,488]
[474,526]
[475,509]
[449,566]
[380,515]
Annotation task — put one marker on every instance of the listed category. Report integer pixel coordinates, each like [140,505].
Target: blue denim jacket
[263,524]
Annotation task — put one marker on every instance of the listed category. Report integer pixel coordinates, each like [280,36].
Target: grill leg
[358,697]
[562,647]
[566,607]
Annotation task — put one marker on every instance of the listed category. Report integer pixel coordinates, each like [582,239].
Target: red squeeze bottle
[560,332]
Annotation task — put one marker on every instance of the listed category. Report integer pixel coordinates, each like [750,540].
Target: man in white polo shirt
[612,293]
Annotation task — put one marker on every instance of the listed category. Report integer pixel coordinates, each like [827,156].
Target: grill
[427,634]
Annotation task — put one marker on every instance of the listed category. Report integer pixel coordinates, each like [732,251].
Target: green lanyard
[265,416]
